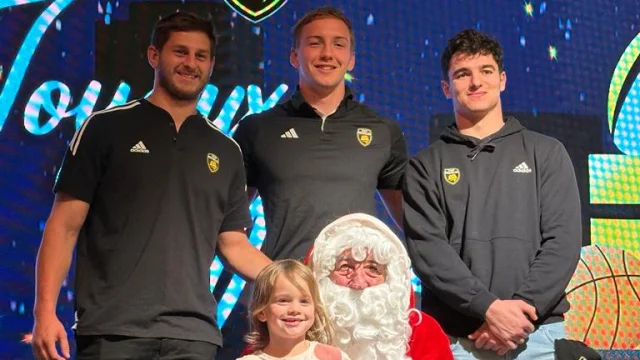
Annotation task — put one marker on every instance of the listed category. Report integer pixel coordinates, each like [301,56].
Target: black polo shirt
[159,198]
[310,171]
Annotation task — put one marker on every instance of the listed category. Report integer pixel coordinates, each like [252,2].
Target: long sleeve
[435,262]
[561,230]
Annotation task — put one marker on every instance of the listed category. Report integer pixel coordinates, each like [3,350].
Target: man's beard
[369,324]
[173,90]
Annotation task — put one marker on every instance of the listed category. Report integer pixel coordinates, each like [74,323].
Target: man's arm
[392,200]
[80,173]
[559,254]
[240,254]
[233,244]
[52,265]
[391,176]
[561,229]
[433,259]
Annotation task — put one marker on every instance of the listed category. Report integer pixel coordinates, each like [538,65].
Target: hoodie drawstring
[489,146]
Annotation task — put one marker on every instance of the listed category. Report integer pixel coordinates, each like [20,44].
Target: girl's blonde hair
[294,271]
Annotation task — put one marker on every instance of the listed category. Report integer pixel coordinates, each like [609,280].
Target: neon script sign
[41,100]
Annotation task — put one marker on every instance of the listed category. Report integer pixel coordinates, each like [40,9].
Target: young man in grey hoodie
[492,217]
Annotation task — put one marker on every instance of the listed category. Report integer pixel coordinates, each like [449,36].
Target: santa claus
[363,271]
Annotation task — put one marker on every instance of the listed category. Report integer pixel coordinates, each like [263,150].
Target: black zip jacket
[497,218]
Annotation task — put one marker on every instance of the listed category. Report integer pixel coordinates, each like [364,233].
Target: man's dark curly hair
[471,42]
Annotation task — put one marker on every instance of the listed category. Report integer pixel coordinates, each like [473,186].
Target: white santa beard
[369,324]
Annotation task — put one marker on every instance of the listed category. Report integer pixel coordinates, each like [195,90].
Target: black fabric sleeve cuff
[481,302]
[236,225]
[392,175]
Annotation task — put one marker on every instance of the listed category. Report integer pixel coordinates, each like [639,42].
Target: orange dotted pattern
[605,299]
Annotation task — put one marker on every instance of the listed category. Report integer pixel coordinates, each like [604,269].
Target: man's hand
[511,321]
[484,339]
[48,331]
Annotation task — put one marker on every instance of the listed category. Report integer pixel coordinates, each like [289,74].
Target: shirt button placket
[173,127]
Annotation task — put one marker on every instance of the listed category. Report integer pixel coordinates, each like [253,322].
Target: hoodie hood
[451,134]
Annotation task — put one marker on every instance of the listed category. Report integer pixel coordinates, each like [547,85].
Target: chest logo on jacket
[364,136]
[522,168]
[451,175]
[213,163]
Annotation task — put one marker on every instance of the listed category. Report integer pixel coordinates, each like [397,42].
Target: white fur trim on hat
[357,220]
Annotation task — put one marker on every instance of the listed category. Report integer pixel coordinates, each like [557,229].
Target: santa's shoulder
[428,340]
[419,318]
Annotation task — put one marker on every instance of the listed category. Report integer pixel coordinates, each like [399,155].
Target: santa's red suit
[428,340]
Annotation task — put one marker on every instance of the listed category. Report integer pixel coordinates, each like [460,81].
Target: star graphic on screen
[553,53]
[528,8]
[348,77]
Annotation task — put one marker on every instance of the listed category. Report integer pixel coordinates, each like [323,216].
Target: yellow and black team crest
[451,175]
[213,163]
[364,136]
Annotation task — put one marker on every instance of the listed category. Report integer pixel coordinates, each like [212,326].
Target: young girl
[287,318]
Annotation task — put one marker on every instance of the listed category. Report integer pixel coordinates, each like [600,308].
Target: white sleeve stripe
[213,126]
[75,141]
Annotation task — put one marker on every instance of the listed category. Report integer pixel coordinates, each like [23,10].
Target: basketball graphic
[605,299]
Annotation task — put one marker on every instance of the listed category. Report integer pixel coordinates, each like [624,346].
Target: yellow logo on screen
[255,10]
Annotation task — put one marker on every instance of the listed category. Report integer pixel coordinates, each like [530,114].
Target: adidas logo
[139,148]
[289,134]
[522,168]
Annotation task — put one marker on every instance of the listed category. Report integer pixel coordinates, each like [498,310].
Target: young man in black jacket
[492,217]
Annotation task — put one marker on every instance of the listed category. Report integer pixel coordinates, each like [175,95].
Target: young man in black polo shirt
[321,154]
[148,190]
[492,217]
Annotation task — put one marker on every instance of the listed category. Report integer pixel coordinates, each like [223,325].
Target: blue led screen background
[572,72]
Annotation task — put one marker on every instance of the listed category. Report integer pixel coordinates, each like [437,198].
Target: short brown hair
[471,42]
[264,285]
[317,14]
[182,22]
